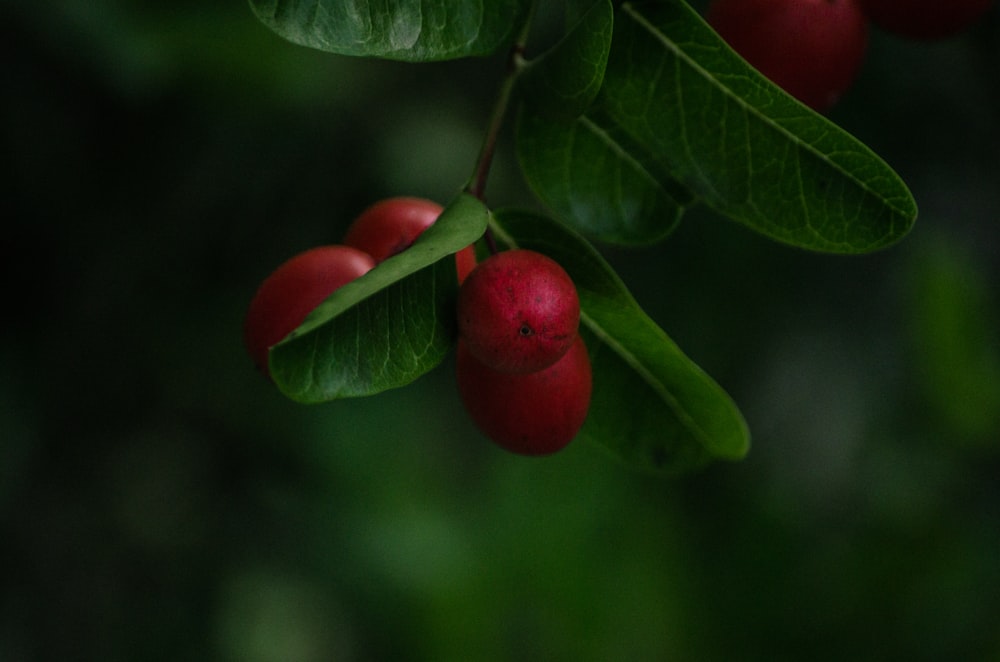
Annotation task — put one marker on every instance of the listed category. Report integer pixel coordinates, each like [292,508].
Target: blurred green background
[160,501]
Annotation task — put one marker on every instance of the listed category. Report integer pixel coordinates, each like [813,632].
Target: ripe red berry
[293,290]
[465,262]
[925,19]
[812,49]
[391,226]
[518,311]
[534,413]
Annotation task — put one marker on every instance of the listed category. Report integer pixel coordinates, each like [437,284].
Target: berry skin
[465,262]
[391,226]
[925,19]
[536,413]
[518,311]
[812,49]
[293,290]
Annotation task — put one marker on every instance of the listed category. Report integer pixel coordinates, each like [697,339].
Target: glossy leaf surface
[409,30]
[679,110]
[565,80]
[592,177]
[740,143]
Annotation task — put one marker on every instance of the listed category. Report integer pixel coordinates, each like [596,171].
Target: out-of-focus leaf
[955,330]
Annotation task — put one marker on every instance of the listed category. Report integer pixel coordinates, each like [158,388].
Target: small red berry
[465,262]
[518,311]
[293,290]
[390,226]
[812,49]
[534,413]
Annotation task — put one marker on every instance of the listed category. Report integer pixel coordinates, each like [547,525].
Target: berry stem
[515,64]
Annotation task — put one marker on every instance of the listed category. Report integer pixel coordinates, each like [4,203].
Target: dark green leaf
[651,405]
[389,326]
[410,30]
[564,80]
[739,143]
[954,324]
[591,176]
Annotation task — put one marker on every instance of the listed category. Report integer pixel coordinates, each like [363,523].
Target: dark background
[160,501]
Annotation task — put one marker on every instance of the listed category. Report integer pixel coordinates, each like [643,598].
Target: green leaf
[694,107]
[564,80]
[409,30]
[651,405]
[590,175]
[582,170]
[388,327]
[954,326]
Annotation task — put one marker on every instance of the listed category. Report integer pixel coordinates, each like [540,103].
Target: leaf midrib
[649,378]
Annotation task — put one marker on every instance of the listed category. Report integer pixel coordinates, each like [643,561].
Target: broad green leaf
[388,327]
[590,175]
[739,143]
[564,80]
[409,30]
[651,405]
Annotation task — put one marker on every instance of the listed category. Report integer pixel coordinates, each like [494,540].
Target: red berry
[925,19]
[293,290]
[391,226]
[465,262]
[518,311]
[533,413]
[812,49]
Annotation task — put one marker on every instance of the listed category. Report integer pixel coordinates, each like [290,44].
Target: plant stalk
[515,64]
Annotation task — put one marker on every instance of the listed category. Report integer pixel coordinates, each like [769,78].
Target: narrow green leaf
[741,144]
[564,80]
[651,405]
[590,175]
[409,30]
[388,327]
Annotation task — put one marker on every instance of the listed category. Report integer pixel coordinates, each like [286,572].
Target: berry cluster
[523,371]
[813,49]
[296,287]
